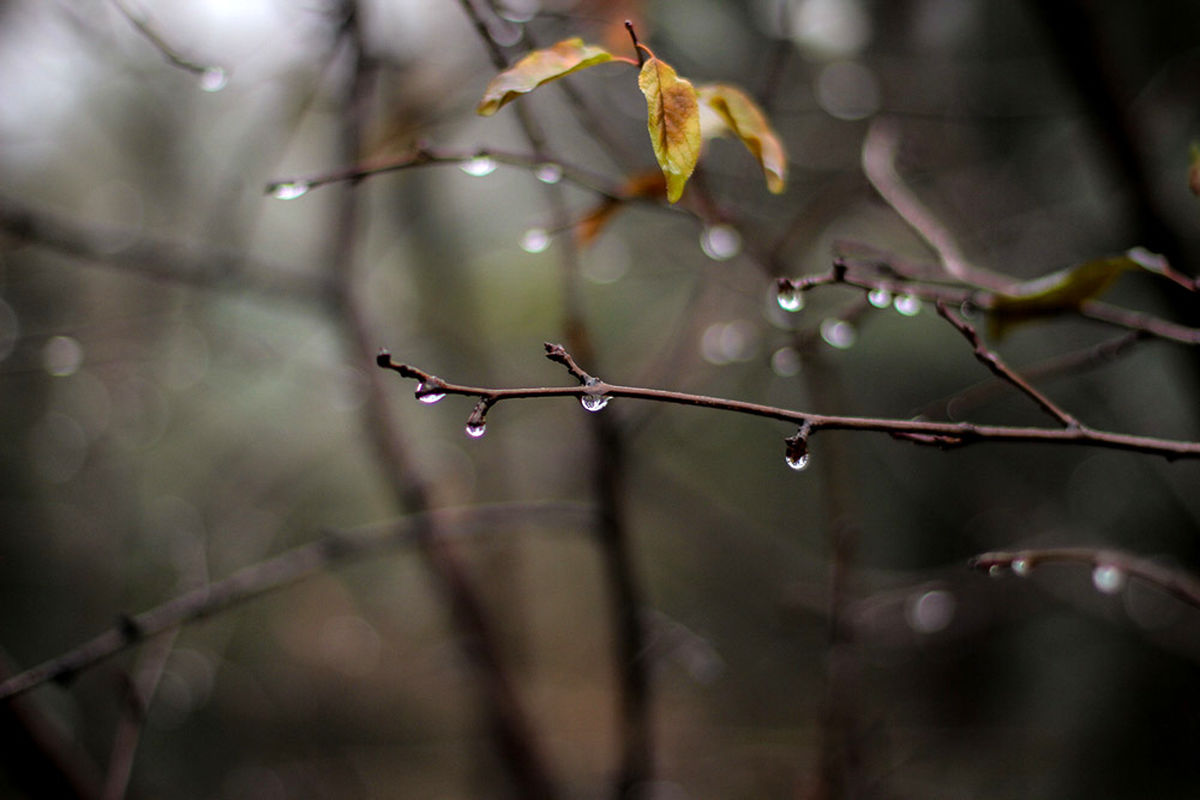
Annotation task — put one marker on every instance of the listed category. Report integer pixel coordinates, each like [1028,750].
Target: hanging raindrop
[1108,578]
[535,240]
[550,173]
[720,242]
[290,190]
[214,79]
[795,453]
[476,429]
[479,166]
[429,393]
[880,298]
[1021,567]
[789,297]
[797,462]
[907,304]
[594,402]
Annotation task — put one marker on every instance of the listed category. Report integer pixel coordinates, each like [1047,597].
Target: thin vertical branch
[507,722]
[634,703]
[140,691]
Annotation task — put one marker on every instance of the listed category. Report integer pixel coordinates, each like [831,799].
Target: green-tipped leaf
[538,67]
[747,121]
[673,119]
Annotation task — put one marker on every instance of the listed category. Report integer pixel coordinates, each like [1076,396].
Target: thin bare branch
[426,156]
[1001,370]
[938,434]
[333,549]
[214,77]
[1178,583]
[879,164]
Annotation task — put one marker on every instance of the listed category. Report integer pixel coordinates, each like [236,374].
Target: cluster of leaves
[672,109]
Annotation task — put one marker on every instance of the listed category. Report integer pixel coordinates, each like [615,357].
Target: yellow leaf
[537,68]
[747,121]
[1069,288]
[673,119]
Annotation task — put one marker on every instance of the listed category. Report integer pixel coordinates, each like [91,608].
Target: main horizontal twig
[938,434]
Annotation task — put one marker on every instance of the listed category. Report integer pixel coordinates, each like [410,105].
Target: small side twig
[1001,370]
[213,77]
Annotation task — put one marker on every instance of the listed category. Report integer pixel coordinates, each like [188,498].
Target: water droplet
[880,298]
[1108,579]
[535,240]
[594,402]
[476,429]
[549,173]
[214,79]
[1021,567]
[785,362]
[290,190]
[907,304]
[62,356]
[478,166]
[789,297]
[996,571]
[720,242]
[931,612]
[797,461]
[838,333]
[429,394]
[518,10]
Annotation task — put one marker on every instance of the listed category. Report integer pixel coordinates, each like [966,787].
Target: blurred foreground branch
[250,582]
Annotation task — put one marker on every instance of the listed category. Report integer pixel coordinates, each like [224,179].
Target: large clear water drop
[594,402]
[428,394]
[838,333]
[476,429]
[789,297]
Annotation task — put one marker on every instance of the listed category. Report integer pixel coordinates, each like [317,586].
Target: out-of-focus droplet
[214,79]
[476,429]
[785,362]
[549,173]
[428,394]
[62,356]
[789,297]
[880,298]
[290,190]
[1021,567]
[907,304]
[838,333]
[479,166]
[720,242]
[996,571]
[1108,578]
[535,240]
[930,612]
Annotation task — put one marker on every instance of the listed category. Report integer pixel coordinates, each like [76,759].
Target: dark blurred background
[177,404]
